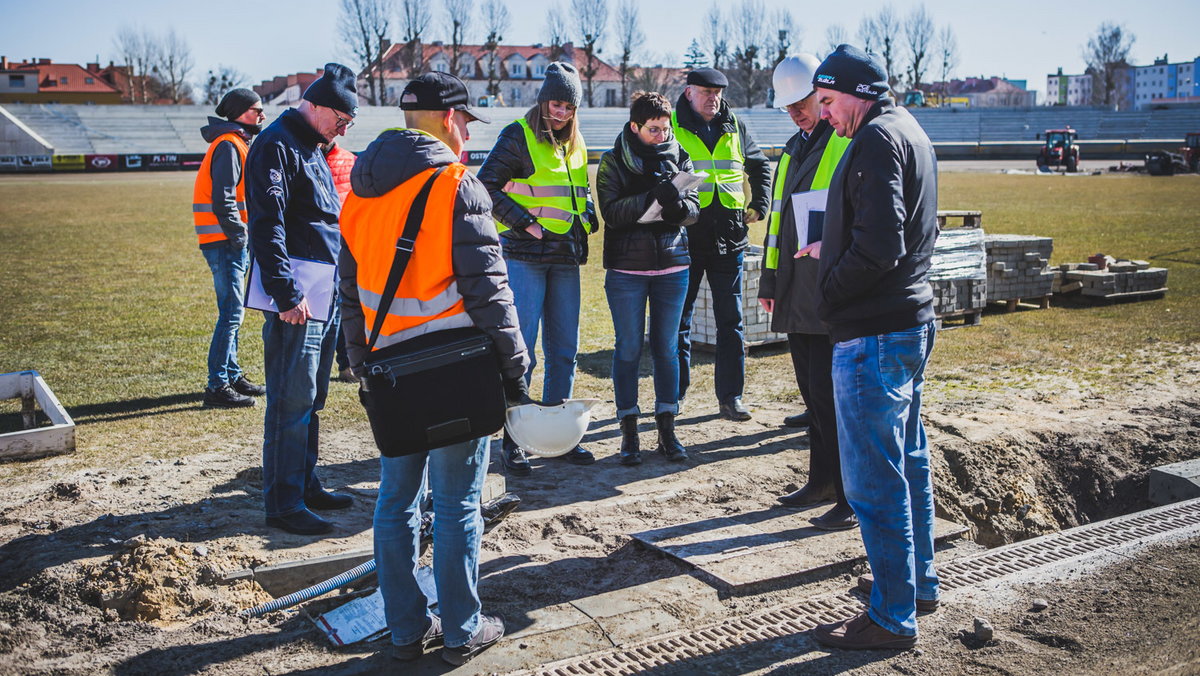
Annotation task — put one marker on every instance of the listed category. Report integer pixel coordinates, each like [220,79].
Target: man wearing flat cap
[219,216]
[455,279]
[720,144]
[294,212]
[876,301]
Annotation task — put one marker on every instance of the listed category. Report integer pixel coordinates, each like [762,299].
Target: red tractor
[1060,150]
[1191,151]
[1167,163]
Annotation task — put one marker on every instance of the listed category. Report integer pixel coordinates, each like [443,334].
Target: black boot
[631,450]
[513,457]
[668,444]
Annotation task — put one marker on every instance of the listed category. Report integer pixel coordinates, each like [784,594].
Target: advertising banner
[102,162]
[162,161]
[34,163]
[8,163]
[68,162]
[132,162]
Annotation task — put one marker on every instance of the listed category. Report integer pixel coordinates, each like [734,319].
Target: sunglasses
[343,122]
[259,112]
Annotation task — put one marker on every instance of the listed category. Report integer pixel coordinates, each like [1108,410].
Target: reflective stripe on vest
[557,191]
[208,228]
[830,157]
[723,163]
[427,299]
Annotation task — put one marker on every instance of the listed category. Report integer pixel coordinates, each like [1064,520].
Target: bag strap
[404,250]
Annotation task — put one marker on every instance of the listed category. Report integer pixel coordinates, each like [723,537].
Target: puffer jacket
[510,159]
[880,228]
[479,271]
[623,184]
[720,230]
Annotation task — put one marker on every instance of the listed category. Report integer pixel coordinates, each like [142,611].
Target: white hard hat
[549,431]
[793,78]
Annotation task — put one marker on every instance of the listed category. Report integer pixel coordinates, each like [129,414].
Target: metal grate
[796,618]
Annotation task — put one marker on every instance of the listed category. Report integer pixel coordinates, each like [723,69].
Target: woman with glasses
[646,256]
[537,177]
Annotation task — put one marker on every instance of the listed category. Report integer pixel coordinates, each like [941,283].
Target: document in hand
[809,209]
[315,279]
[684,181]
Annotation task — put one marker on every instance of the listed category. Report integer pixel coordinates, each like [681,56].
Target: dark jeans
[812,357]
[628,296]
[228,266]
[725,280]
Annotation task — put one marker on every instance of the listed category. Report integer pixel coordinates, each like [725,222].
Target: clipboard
[684,181]
[808,208]
[316,280]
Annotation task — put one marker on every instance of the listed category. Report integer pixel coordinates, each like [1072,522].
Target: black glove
[676,212]
[666,193]
[528,221]
[516,392]
[590,220]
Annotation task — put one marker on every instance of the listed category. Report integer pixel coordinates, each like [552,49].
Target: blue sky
[1020,39]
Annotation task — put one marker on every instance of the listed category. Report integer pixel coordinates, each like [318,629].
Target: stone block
[1175,483]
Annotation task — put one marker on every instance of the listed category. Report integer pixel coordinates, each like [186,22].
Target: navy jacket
[880,228]
[293,204]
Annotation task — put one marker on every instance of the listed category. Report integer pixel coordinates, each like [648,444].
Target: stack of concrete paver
[1018,266]
[756,321]
[957,272]
[1119,279]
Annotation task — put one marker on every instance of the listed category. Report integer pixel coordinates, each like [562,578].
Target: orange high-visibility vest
[208,229]
[427,299]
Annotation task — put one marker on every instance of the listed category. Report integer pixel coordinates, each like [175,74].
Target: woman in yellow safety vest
[537,177]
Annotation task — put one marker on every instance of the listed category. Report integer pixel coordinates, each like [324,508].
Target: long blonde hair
[535,117]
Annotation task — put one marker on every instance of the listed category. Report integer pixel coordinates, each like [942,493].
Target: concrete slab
[682,596]
[542,620]
[512,654]
[1175,483]
[770,546]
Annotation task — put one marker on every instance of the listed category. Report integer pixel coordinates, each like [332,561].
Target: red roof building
[43,81]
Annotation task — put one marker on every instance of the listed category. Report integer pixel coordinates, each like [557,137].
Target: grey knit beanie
[336,88]
[561,84]
[235,102]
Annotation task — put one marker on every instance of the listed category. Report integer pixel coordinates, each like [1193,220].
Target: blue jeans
[455,475]
[548,294]
[228,267]
[877,383]
[627,298]
[297,359]
[725,280]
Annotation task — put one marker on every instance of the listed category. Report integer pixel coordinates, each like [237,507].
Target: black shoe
[668,443]
[248,388]
[798,420]
[225,397]
[513,458]
[578,456]
[491,629]
[631,450]
[841,517]
[323,499]
[734,409]
[807,495]
[865,582]
[413,651]
[493,512]
[303,522]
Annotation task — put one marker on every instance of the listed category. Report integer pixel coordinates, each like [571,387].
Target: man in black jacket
[294,210]
[879,233]
[720,144]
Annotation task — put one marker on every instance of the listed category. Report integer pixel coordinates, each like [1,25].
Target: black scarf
[640,158]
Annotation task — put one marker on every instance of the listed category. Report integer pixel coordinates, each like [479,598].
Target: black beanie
[235,103]
[851,70]
[336,88]
[561,84]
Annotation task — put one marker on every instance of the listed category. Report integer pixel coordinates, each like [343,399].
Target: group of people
[501,251]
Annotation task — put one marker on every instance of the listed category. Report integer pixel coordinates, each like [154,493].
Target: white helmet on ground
[793,78]
[549,431]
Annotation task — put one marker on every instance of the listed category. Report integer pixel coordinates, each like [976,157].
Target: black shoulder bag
[434,390]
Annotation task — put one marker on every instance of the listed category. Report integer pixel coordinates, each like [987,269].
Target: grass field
[105,293]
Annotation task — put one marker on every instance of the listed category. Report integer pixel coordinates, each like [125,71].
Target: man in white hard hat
[788,287]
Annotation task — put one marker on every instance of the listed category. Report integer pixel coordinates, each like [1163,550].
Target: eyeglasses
[259,112]
[656,131]
[343,122]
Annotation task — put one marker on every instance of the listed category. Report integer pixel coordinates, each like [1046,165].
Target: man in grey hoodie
[219,216]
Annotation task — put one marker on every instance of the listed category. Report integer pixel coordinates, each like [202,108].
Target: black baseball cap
[439,91]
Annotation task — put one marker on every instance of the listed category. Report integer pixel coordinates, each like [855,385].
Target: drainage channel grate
[796,618]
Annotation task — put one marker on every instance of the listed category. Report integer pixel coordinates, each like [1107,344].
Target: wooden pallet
[1010,304]
[963,219]
[966,317]
[1128,295]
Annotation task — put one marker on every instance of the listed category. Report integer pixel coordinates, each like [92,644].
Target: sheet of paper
[315,279]
[363,618]
[809,210]
[684,181]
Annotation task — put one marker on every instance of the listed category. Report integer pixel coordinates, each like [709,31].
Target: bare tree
[415,18]
[716,36]
[1107,56]
[459,21]
[495,21]
[138,49]
[947,54]
[919,34]
[881,34]
[557,29]
[174,66]
[220,80]
[363,27]
[749,83]
[591,20]
[649,79]
[787,33]
[629,38]
[835,34]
